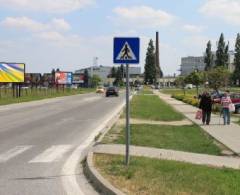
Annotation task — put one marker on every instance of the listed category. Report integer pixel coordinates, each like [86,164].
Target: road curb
[99,182]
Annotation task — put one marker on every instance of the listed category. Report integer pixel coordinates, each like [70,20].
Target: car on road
[112,91]
[100,89]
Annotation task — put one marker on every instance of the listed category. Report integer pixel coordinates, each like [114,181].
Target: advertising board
[78,78]
[63,78]
[12,72]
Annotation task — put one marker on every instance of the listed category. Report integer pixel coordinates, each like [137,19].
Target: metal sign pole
[127,116]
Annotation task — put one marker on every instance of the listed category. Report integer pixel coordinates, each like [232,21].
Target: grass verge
[188,138]
[33,95]
[151,176]
[153,108]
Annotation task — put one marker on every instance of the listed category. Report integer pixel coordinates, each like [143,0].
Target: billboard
[78,78]
[12,72]
[63,78]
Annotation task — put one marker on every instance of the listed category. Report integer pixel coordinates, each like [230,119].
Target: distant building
[191,63]
[105,71]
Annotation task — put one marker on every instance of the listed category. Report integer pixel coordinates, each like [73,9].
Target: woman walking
[225,102]
[206,106]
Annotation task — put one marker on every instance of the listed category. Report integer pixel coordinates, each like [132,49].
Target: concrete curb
[99,182]
[102,185]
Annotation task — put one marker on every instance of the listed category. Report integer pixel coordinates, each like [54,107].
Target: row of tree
[222,57]
[118,73]
[216,73]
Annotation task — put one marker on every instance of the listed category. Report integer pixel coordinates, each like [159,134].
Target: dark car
[237,108]
[112,91]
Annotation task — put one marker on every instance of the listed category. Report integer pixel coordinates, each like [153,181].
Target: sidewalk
[228,135]
[199,159]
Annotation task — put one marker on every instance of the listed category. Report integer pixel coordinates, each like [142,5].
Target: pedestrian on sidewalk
[225,103]
[206,107]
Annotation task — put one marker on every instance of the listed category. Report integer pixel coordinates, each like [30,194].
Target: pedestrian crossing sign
[126,50]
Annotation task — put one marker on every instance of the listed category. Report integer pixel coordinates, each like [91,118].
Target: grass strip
[153,108]
[189,138]
[151,176]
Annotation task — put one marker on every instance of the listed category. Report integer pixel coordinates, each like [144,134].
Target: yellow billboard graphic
[12,72]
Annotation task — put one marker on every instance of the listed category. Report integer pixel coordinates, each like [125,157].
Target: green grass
[151,176]
[153,108]
[37,94]
[146,91]
[188,138]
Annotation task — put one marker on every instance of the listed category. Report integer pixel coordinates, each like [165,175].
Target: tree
[208,59]
[113,72]
[150,68]
[118,79]
[218,77]
[86,78]
[181,82]
[222,53]
[95,80]
[196,78]
[236,73]
[53,76]
[122,70]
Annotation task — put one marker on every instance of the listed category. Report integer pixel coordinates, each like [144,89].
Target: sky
[69,34]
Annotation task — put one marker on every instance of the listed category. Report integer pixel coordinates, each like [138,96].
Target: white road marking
[13,152]
[52,154]
[70,183]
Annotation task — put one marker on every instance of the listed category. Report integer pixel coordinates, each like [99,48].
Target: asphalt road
[37,138]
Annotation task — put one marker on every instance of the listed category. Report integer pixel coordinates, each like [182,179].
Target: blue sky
[68,34]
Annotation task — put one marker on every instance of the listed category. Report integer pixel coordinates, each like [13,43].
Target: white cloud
[60,40]
[142,16]
[228,10]
[60,24]
[23,23]
[52,6]
[193,28]
[29,24]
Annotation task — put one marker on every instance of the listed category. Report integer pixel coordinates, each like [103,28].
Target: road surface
[38,138]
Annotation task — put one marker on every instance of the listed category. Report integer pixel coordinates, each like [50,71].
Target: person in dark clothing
[206,106]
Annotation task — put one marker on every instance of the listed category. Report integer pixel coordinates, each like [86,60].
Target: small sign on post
[126,51]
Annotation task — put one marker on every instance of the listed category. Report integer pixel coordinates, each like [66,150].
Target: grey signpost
[127,116]
[126,51]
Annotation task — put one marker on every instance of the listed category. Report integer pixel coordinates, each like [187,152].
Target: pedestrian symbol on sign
[126,53]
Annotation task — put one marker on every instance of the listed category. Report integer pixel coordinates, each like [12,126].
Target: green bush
[187,99]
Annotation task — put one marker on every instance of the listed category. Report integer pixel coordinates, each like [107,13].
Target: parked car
[112,91]
[237,108]
[138,87]
[100,89]
[235,97]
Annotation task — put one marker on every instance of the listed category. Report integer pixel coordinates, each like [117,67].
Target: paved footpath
[199,159]
[229,135]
